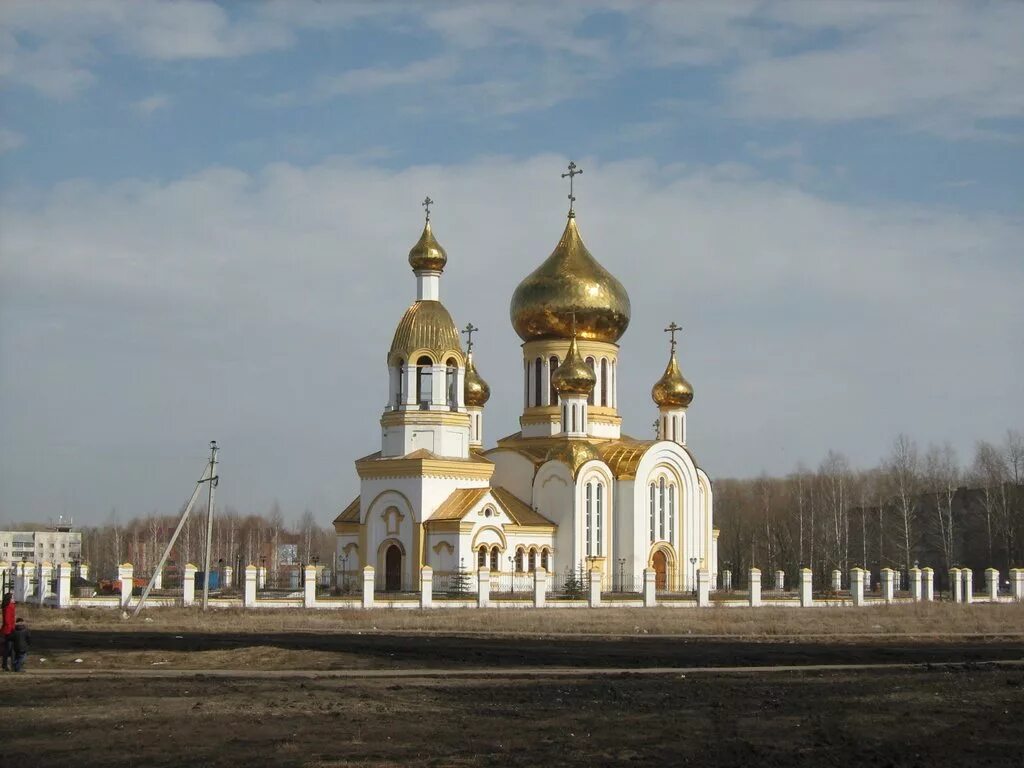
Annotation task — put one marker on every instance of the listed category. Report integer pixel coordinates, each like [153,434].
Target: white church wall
[553,497]
[441,553]
[514,472]
[603,550]
[624,528]
[390,518]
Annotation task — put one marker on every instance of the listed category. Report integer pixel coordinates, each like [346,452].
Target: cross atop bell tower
[573,171]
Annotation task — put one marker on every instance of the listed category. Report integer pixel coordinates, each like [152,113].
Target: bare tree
[942,473]
[904,471]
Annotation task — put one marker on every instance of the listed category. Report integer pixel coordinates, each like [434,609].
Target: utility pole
[209,524]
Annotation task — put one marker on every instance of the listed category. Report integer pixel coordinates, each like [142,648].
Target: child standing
[19,644]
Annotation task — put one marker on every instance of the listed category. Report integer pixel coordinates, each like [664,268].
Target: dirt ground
[174,696]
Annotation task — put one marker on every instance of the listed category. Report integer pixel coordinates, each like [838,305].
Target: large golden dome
[427,254]
[573,376]
[672,389]
[425,328]
[570,280]
[476,391]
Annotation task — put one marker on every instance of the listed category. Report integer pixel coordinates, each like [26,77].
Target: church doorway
[393,569]
[660,563]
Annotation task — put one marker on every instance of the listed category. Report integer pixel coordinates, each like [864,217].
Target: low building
[53,545]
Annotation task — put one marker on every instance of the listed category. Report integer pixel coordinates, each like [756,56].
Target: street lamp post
[693,573]
[622,566]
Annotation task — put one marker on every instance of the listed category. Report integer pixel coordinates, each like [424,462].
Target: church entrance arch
[660,564]
[393,569]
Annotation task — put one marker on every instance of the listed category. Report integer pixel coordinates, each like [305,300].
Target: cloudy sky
[205,211]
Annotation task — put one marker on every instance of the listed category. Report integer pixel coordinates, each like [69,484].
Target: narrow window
[599,517]
[604,382]
[533,560]
[424,381]
[538,373]
[481,557]
[544,559]
[399,390]
[653,537]
[574,418]
[519,561]
[661,509]
[587,536]
[495,558]
[552,392]
[452,374]
[590,397]
[526,383]
[672,513]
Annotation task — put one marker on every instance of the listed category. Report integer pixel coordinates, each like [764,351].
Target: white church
[568,491]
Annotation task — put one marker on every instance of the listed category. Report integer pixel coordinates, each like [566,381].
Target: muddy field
[170,698]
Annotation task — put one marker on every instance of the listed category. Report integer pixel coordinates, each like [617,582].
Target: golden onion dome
[427,254]
[672,390]
[573,376]
[425,328]
[573,453]
[570,281]
[476,391]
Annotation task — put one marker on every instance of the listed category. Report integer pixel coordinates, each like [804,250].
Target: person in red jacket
[7,630]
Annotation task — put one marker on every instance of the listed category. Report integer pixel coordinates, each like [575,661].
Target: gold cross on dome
[672,330]
[427,202]
[469,330]
[573,171]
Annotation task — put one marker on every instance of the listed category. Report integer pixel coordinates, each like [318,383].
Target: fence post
[249,593]
[837,580]
[64,585]
[369,581]
[1017,584]
[594,594]
[968,578]
[21,581]
[915,584]
[755,587]
[158,582]
[727,580]
[188,584]
[650,588]
[126,575]
[857,586]
[426,587]
[806,588]
[928,584]
[992,580]
[483,588]
[227,577]
[45,572]
[780,580]
[955,588]
[703,588]
[308,586]
[540,587]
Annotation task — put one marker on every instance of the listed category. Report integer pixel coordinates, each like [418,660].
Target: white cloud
[809,324]
[10,140]
[151,104]
[376,78]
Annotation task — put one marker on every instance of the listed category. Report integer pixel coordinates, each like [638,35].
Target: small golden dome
[672,390]
[427,254]
[476,391]
[573,453]
[573,376]
[570,280]
[426,327]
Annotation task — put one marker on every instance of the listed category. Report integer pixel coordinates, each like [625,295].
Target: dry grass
[921,620]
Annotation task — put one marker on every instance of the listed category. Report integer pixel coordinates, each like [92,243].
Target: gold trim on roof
[349,514]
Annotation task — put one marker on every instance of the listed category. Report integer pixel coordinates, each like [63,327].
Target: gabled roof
[462,501]
[349,514]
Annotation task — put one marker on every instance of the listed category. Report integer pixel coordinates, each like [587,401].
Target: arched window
[424,381]
[481,556]
[574,418]
[526,383]
[604,382]
[672,513]
[653,516]
[538,377]
[544,561]
[519,560]
[590,397]
[495,559]
[661,508]
[598,518]
[588,518]
[533,560]
[552,392]
[614,398]
[400,389]
[452,376]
